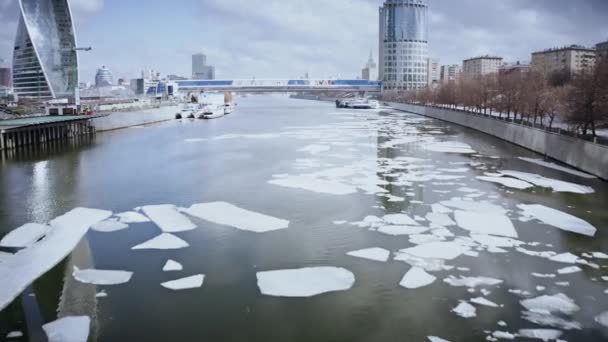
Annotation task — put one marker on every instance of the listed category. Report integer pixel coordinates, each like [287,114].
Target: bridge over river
[273,86]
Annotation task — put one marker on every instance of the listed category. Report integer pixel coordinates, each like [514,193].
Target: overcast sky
[286,38]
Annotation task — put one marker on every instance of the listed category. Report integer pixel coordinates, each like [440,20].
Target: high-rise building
[514,69]
[601,50]
[370,72]
[104,77]
[5,77]
[572,59]
[404,44]
[433,72]
[450,73]
[481,66]
[200,69]
[45,64]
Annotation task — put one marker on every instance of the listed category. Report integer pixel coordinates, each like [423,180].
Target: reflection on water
[232,160]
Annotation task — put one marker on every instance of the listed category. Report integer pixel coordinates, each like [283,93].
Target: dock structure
[35,131]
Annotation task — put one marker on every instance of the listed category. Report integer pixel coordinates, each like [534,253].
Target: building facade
[433,72]
[104,77]
[404,44]
[514,69]
[450,73]
[45,61]
[601,50]
[481,66]
[5,77]
[370,72]
[572,59]
[200,69]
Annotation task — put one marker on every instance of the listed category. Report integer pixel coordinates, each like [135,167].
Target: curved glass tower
[45,61]
[404,44]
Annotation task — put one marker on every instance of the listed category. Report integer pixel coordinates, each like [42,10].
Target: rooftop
[566,48]
[483,57]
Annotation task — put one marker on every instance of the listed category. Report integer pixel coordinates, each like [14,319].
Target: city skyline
[297,49]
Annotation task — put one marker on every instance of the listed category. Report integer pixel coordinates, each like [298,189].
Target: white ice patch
[548,304]
[558,219]
[436,339]
[602,319]
[168,218]
[449,147]
[569,270]
[565,258]
[486,223]
[402,230]
[558,167]
[440,220]
[376,254]
[480,207]
[465,310]
[163,242]
[102,277]
[472,282]
[172,266]
[14,334]
[416,278]
[315,185]
[109,226]
[508,182]
[496,241]
[229,215]
[315,149]
[25,235]
[21,269]
[187,283]
[436,250]
[68,329]
[540,334]
[556,185]
[132,217]
[305,282]
[484,302]
[400,219]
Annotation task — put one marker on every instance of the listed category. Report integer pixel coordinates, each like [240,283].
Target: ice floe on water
[168,218]
[569,270]
[163,241]
[558,167]
[486,223]
[558,219]
[132,217]
[172,266]
[435,250]
[315,149]
[482,207]
[376,254]
[25,266]
[472,282]
[14,334]
[549,304]
[556,185]
[416,278]
[484,302]
[602,319]
[540,334]
[102,277]
[315,185]
[24,236]
[508,182]
[436,339]
[229,215]
[449,147]
[187,283]
[305,282]
[465,310]
[109,226]
[68,329]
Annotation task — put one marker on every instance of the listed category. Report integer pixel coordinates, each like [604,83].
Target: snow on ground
[24,236]
[227,214]
[109,226]
[102,277]
[486,223]
[68,329]
[556,185]
[305,282]
[416,278]
[376,254]
[27,265]
[558,219]
[172,266]
[163,241]
[558,167]
[168,218]
[132,217]
[508,182]
[192,282]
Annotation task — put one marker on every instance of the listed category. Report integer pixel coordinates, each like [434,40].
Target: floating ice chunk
[400,219]
[168,218]
[24,236]
[542,254]
[442,232]
[187,283]
[503,335]
[558,167]
[569,270]
[436,339]
[486,223]
[599,255]
[132,217]
[101,294]
[440,209]
[376,254]
[102,277]
[449,147]
[558,219]
[340,222]
[502,323]
[109,226]
[429,265]
[540,288]
[172,266]
[305,282]
[419,239]
[540,275]
[481,207]
[565,258]
[563,283]
[68,329]
[548,304]
[546,319]
[496,241]
[508,182]
[315,185]
[163,241]
[315,149]
[402,230]
[416,278]
[465,310]
[602,319]
[5,255]
[540,334]
[441,220]
[484,302]
[21,269]
[472,282]
[437,250]
[556,185]
[227,214]
[14,334]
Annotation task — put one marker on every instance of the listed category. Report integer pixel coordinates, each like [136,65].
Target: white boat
[364,104]
[228,108]
[212,106]
[187,110]
[212,112]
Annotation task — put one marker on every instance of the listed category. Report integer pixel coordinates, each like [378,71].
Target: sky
[288,38]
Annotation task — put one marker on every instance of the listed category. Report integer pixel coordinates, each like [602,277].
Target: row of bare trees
[578,103]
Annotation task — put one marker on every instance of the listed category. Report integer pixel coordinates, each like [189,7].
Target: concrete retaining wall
[119,120]
[583,155]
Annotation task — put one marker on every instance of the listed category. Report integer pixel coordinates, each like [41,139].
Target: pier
[39,130]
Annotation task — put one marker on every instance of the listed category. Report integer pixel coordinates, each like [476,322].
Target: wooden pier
[35,131]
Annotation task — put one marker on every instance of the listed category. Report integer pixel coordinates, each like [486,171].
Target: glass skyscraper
[404,44]
[45,61]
